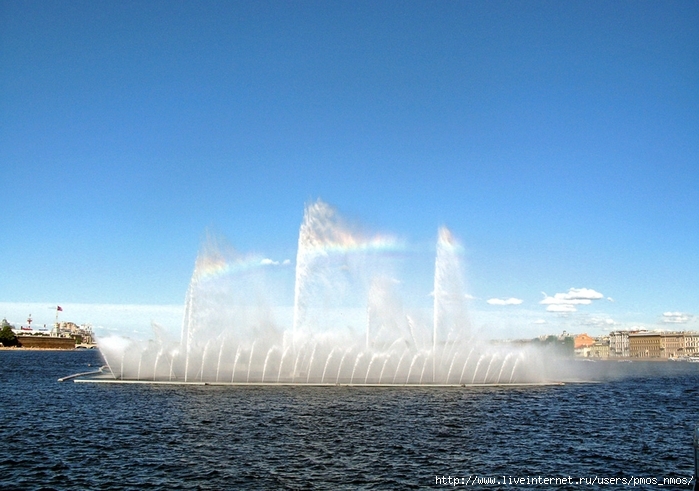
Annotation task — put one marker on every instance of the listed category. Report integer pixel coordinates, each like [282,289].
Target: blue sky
[558,140]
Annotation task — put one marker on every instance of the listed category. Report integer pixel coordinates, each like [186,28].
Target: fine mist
[349,324]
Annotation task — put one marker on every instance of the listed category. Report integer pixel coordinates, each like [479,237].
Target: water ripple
[84,436]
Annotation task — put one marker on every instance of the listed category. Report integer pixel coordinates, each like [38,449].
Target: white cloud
[603,322]
[676,317]
[271,262]
[610,299]
[575,296]
[508,301]
[540,321]
[565,302]
[561,308]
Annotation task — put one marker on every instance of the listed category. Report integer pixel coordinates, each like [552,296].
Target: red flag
[58,308]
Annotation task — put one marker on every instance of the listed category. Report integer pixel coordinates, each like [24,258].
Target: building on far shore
[644,344]
[600,349]
[582,344]
[691,343]
[672,345]
[656,345]
[82,334]
[64,335]
[619,344]
[664,345]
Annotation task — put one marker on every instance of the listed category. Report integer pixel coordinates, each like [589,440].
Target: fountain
[347,324]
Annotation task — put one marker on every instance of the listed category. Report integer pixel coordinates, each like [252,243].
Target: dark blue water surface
[636,423]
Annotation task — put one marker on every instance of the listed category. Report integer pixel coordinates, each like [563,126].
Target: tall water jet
[334,268]
[450,320]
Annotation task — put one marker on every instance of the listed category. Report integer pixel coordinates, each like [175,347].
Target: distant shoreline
[617,360]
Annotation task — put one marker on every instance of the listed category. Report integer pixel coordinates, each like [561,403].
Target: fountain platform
[102,378]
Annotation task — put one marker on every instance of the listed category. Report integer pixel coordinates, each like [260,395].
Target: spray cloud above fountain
[230,334]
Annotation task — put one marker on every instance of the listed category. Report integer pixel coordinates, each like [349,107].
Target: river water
[636,423]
